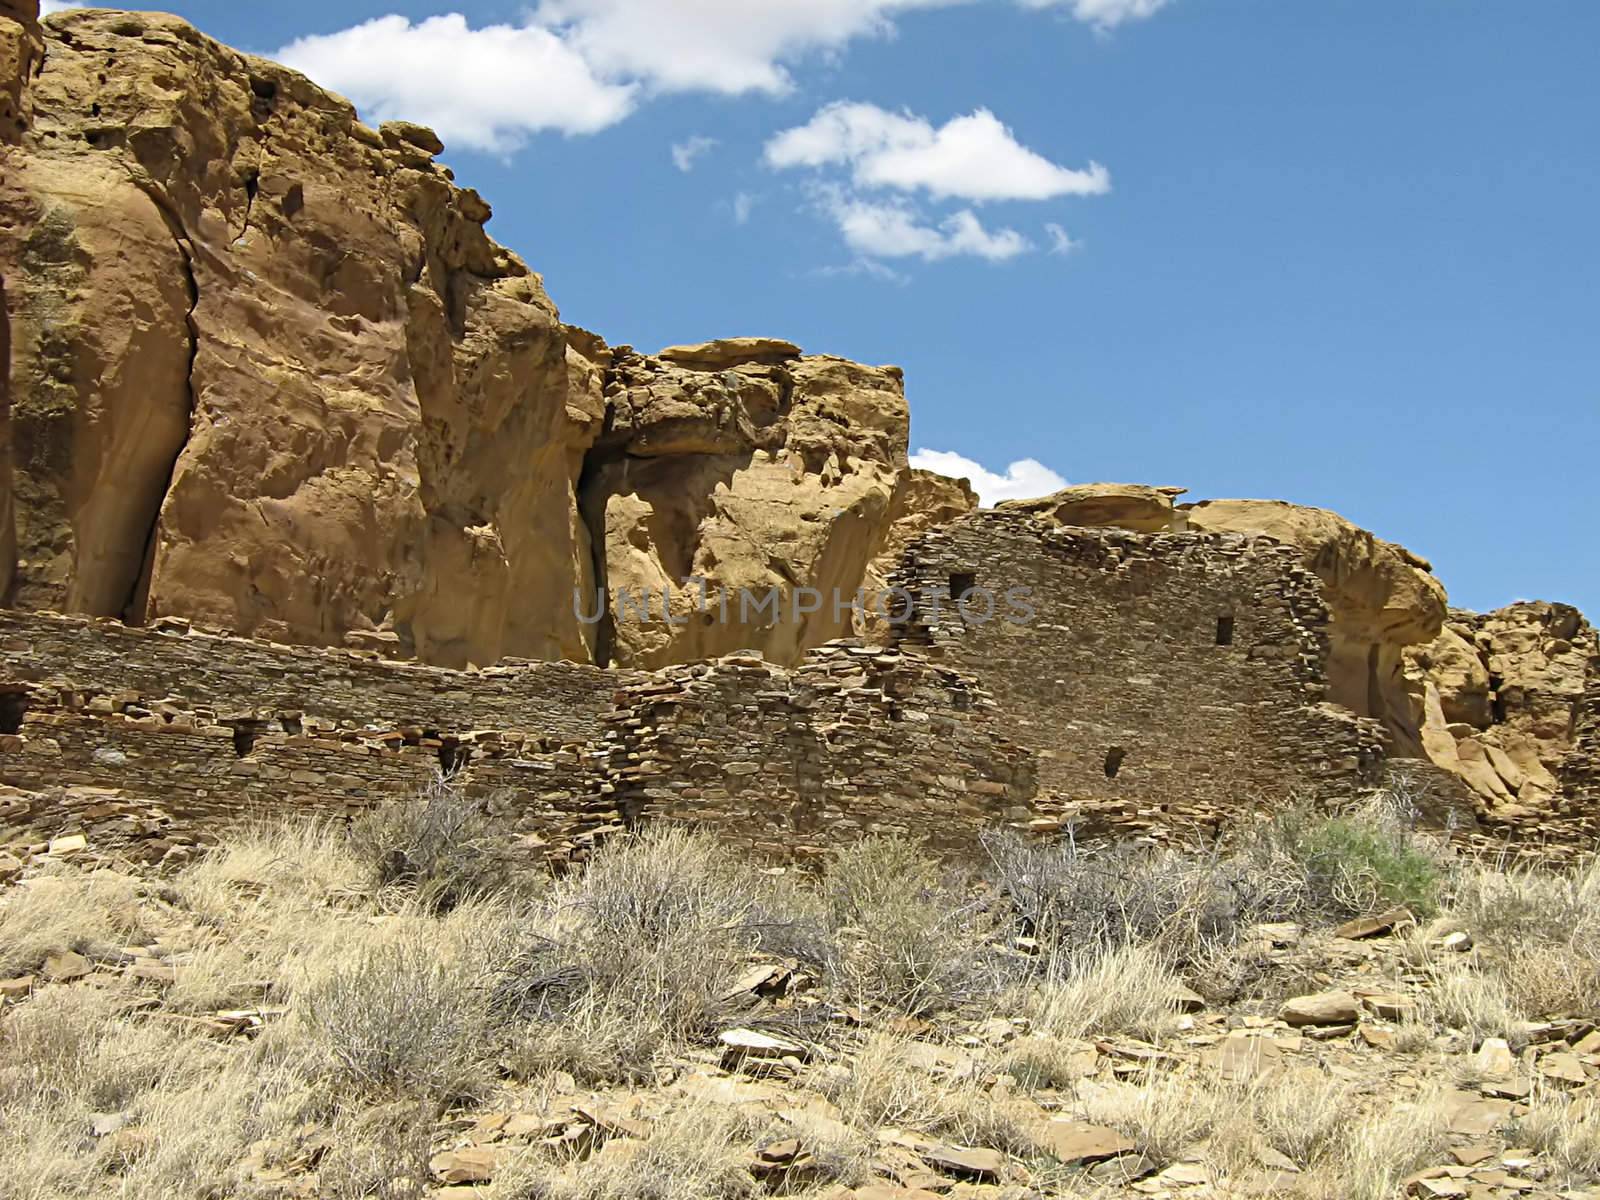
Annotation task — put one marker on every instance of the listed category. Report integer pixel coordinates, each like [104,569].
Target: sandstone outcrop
[21,50]
[268,372]
[1131,506]
[1504,695]
[732,473]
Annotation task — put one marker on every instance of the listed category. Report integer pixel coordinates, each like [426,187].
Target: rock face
[731,478]
[1504,697]
[268,372]
[1131,506]
[1383,599]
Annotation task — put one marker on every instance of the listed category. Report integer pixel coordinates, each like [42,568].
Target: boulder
[1325,1008]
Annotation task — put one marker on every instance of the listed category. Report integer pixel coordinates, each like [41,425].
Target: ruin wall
[1164,679]
[856,741]
[156,740]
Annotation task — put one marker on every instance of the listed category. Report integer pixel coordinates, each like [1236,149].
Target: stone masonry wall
[1580,772]
[157,739]
[857,740]
[1165,679]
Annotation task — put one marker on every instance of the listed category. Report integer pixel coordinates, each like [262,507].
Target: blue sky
[1342,252]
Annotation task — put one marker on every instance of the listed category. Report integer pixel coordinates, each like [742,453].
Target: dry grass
[63,909]
[902,933]
[401,1005]
[1381,1150]
[697,1152]
[1567,1134]
[1130,990]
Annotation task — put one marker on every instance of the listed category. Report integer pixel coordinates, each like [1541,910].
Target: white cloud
[974,157]
[733,47]
[47,7]
[1061,242]
[685,153]
[899,231]
[1027,479]
[486,88]
[1104,14]
[743,205]
[579,66]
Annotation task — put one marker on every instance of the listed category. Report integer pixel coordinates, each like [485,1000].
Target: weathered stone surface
[1382,597]
[21,49]
[723,487]
[1131,506]
[1325,1008]
[269,372]
[1507,699]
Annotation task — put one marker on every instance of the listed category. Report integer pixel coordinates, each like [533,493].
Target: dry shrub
[1360,862]
[698,1152]
[403,1012]
[93,913]
[439,846]
[1130,990]
[632,955]
[1081,903]
[904,934]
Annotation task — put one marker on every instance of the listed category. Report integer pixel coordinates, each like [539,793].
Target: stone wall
[857,740]
[156,739]
[1165,679]
[240,681]
[1580,771]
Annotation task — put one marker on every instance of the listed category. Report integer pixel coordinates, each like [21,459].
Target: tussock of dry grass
[1130,990]
[93,914]
[697,1152]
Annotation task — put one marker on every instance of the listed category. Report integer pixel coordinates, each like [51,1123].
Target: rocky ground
[1329,1009]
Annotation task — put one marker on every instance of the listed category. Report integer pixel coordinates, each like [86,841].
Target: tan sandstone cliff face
[269,373]
[1382,597]
[739,469]
[1503,696]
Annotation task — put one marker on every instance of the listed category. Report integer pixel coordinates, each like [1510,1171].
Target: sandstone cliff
[1504,695]
[268,372]
[733,470]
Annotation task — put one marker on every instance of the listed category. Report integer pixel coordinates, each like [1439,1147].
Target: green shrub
[1361,863]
